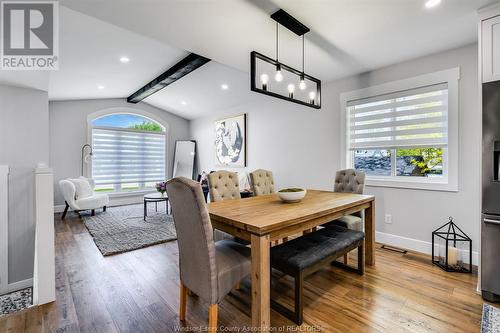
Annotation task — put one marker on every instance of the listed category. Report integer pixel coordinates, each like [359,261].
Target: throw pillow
[83,189]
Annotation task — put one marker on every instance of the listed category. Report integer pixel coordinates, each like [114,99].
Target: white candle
[452,256]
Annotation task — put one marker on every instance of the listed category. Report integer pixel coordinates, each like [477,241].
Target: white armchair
[78,196]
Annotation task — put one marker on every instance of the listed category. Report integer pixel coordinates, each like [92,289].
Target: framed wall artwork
[231,141]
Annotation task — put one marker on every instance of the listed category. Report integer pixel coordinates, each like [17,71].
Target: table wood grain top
[268,213]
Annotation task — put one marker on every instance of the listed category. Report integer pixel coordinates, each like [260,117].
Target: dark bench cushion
[303,252]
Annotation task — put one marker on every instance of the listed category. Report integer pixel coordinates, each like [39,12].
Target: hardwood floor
[138,291]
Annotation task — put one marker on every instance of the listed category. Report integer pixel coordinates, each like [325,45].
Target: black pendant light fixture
[285,79]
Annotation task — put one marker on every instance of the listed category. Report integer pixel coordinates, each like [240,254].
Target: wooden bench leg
[361,259]
[299,299]
[346,259]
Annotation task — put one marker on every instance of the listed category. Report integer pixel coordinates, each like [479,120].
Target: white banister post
[4,228]
[44,289]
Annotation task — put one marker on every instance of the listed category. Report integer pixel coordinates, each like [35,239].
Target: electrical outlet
[388,218]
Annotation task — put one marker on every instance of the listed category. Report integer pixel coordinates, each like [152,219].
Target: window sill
[130,194]
[412,184]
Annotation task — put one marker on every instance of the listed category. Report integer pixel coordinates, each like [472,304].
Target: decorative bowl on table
[292,194]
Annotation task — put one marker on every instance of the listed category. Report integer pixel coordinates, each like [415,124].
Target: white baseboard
[11,287]
[113,201]
[412,244]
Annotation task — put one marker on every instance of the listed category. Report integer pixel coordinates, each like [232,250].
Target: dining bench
[307,254]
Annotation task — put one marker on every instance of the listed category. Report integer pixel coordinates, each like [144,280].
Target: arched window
[128,152]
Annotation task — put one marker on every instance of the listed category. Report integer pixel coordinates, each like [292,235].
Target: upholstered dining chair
[207,268]
[262,182]
[349,181]
[223,185]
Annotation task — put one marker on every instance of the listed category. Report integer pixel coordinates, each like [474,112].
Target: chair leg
[212,318]
[104,208]
[299,299]
[182,302]
[65,211]
[93,212]
[346,259]
[361,260]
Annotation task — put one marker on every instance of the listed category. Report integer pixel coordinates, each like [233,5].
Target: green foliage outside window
[425,159]
[147,126]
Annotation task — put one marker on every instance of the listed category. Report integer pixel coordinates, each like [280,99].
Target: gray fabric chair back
[197,263]
[262,182]
[223,185]
[349,181]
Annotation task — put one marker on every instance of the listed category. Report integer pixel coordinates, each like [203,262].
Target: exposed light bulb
[302,84]
[312,96]
[291,89]
[224,86]
[432,3]
[124,60]
[278,76]
[100,87]
[264,79]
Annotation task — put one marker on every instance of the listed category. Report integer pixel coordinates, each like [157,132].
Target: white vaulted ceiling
[347,37]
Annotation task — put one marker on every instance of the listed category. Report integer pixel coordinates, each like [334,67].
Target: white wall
[69,132]
[301,146]
[24,141]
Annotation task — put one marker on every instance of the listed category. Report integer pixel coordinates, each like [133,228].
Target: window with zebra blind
[402,131]
[129,153]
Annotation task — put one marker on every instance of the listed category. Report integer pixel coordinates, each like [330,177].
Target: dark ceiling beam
[174,73]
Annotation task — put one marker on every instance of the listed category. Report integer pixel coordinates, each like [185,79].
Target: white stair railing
[4,228]
[44,290]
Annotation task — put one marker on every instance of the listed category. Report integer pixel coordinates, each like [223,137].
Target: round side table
[155,197]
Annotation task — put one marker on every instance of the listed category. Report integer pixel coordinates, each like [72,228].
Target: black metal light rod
[290,22]
[174,73]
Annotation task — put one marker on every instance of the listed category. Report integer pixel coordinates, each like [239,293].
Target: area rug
[122,229]
[16,301]
[490,322]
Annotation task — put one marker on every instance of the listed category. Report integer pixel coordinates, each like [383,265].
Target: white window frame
[135,112]
[449,181]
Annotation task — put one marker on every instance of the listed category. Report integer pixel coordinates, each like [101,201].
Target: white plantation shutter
[415,117]
[127,156]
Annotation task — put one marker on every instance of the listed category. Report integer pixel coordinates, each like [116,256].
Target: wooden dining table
[264,219]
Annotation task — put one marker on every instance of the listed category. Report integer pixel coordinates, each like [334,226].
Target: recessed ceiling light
[124,59]
[224,86]
[432,3]
[100,87]
[183,103]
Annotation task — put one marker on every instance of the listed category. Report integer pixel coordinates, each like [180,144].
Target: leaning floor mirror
[184,157]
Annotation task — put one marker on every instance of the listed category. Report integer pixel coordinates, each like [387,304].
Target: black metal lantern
[452,248]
